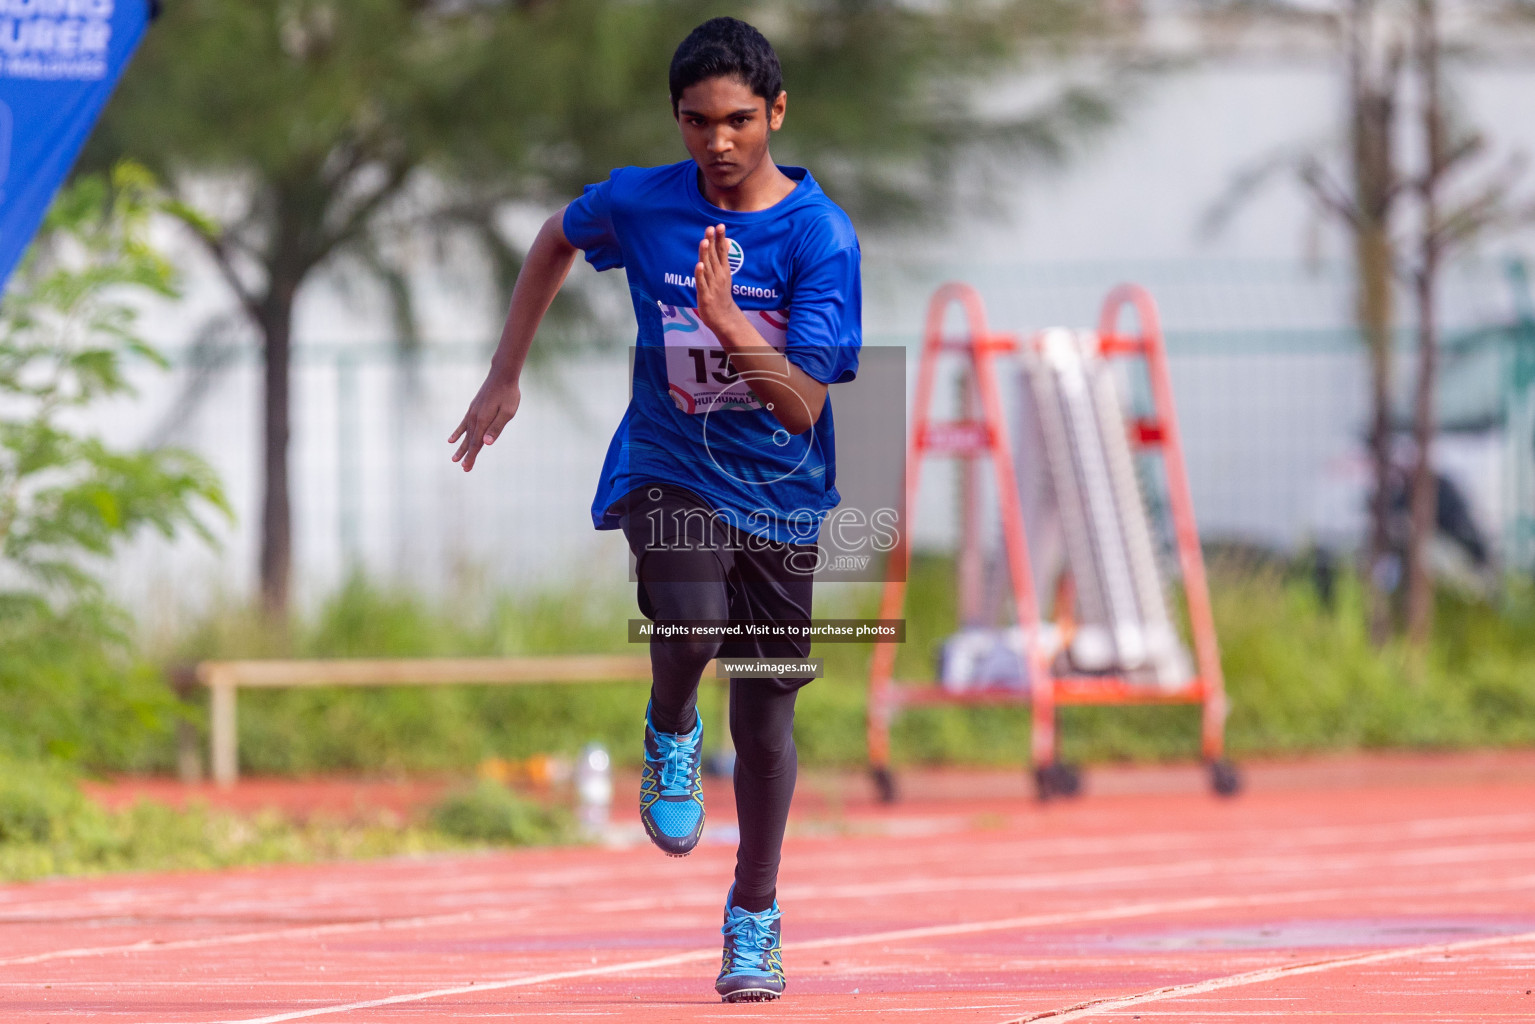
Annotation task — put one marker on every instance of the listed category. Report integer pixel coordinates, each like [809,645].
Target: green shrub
[72,688]
[428,729]
[70,685]
[1301,676]
[489,812]
[42,804]
[49,827]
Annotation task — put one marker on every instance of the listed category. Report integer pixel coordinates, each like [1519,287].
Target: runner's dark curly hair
[726,47]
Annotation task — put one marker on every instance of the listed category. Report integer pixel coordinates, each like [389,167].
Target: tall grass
[425,729]
[1301,674]
[49,827]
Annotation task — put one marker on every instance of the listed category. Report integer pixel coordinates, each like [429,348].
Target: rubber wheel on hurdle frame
[884,785]
[1057,779]
[1225,778]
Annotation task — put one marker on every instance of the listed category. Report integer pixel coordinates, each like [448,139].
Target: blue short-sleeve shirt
[690,420]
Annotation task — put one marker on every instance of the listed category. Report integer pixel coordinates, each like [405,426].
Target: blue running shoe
[671,788]
[751,969]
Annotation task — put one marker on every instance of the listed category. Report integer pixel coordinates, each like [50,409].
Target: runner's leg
[774,586]
[681,576]
[677,663]
[762,726]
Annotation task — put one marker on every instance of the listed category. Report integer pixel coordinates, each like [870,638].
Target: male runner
[745,282]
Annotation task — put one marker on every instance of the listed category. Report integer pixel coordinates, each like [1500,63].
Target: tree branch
[1329,194]
[358,218]
[1486,208]
[218,246]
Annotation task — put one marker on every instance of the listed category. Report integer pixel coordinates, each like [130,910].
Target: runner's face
[725,127]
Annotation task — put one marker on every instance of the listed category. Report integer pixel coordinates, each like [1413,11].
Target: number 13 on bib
[698,372]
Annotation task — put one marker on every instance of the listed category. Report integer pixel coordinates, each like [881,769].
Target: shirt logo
[737,257]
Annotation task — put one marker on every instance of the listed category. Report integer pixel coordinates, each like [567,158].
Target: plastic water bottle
[594,789]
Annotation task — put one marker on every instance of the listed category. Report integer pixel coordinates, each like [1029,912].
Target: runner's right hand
[492,408]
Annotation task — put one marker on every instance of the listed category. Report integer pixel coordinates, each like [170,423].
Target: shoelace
[751,937]
[677,751]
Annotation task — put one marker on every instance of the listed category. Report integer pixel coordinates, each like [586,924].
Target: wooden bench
[224,679]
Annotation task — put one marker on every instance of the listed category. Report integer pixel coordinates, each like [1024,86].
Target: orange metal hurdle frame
[987,437]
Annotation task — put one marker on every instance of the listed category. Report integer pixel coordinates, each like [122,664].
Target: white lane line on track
[1023,882]
[1311,835]
[244,883]
[1099,876]
[296,932]
[444,879]
[1120,912]
[1096,1006]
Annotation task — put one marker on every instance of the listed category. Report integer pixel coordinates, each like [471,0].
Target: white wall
[1264,433]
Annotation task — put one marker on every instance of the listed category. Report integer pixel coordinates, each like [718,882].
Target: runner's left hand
[712,278]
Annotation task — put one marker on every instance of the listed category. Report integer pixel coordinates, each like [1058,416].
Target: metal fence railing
[1270,383]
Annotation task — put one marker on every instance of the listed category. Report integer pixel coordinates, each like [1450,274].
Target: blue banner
[59,61]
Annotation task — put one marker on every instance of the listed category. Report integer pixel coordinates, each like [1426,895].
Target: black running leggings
[695,584]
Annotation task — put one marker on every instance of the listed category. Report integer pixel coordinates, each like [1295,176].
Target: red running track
[1407,893]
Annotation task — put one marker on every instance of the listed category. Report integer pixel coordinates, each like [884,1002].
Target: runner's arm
[549,261]
[793,396]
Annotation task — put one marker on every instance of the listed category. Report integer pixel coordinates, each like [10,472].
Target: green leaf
[67,332]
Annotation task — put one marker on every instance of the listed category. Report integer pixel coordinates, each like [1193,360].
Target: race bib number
[698,374]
